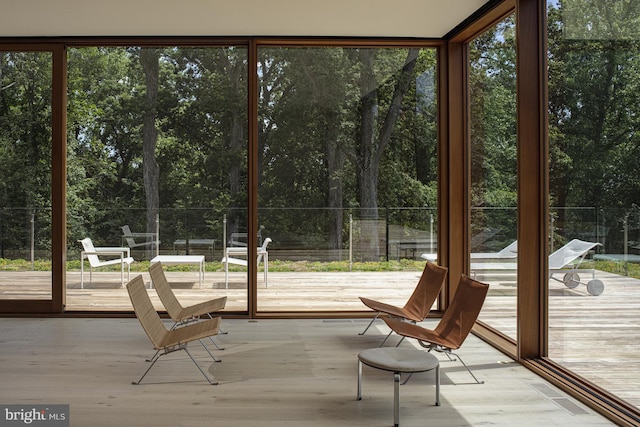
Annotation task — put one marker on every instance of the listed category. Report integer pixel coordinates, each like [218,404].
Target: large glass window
[347,173]
[25,187]
[493,232]
[594,117]
[157,166]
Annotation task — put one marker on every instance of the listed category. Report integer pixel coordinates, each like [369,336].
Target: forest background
[343,134]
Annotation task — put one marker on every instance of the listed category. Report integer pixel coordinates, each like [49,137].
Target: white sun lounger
[565,260]
[510,251]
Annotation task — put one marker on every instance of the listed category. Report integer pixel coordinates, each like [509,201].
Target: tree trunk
[335,164]
[149,58]
[237,147]
[372,146]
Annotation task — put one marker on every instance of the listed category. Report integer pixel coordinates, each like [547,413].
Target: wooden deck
[596,336]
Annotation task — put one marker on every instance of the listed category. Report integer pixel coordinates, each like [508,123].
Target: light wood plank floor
[597,337]
[273,373]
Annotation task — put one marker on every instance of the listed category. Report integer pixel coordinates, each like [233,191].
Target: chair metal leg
[153,362]
[153,358]
[220,331]
[399,342]
[212,382]
[215,359]
[160,353]
[370,323]
[448,353]
[468,370]
[216,344]
[401,338]
[386,338]
[407,379]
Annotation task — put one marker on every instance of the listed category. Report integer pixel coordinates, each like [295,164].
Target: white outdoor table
[183,259]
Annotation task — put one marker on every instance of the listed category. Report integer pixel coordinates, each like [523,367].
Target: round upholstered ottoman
[398,361]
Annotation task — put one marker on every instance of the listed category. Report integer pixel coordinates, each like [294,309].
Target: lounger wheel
[595,287]
[571,280]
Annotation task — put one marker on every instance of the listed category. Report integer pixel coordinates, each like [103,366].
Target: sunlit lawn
[213,266]
[632,270]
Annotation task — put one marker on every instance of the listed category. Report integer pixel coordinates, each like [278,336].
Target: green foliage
[310,122]
[338,134]
[493,135]
[275,266]
[25,154]
[594,77]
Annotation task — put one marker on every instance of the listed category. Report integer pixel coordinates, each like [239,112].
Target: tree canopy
[341,130]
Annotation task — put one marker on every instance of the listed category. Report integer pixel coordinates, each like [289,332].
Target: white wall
[392,18]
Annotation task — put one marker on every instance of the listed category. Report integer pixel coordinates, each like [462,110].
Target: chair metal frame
[180,314]
[455,324]
[164,340]
[419,304]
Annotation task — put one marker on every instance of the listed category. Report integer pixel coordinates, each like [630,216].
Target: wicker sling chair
[455,325]
[179,314]
[419,303]
[163,340]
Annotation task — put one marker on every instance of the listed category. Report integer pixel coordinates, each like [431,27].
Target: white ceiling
[384,18]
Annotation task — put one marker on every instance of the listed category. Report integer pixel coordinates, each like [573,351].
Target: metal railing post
[350,242]
[33,241]
[431,233]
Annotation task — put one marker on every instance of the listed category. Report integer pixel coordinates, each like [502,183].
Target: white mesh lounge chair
[231,257]
[149,239]
[571,255]
[92,254]
[565,260]
[509,251]
[163,340]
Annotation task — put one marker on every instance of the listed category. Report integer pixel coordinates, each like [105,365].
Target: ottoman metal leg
[359,396]
[438,385]
[396,399]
